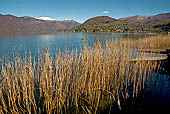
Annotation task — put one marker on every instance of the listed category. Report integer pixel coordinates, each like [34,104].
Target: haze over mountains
[12,25]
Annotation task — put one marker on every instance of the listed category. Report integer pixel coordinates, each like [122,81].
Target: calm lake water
[62,41]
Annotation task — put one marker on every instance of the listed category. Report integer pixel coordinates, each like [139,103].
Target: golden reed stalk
[85,82]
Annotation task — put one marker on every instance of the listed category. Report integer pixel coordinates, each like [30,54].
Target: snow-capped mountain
[67,20]
[46,18]
[13,25]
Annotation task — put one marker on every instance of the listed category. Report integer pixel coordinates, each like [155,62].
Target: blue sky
[81,10]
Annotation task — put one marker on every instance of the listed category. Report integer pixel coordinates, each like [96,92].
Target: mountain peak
[69,23]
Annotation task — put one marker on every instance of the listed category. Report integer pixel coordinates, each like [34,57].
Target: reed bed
[156,42]
[92,81]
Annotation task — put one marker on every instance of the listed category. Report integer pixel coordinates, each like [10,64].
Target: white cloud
[106,12]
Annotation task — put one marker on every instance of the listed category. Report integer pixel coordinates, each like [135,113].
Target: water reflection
[47,36]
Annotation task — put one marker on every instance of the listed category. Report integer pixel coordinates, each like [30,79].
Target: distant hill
[159,18]
[12,25]
[147,19]
[137,18]
[69,23]
[98,20]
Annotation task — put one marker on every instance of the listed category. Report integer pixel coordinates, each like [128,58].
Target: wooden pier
[158,51]
[163,60]
[153,58]
[149,58]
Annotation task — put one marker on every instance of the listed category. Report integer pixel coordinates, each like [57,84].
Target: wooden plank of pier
[150,50]
[167,51]
[149,58]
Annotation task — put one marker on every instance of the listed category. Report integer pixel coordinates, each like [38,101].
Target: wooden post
[168,54]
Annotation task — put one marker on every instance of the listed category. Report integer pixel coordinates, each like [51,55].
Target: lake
[60,41]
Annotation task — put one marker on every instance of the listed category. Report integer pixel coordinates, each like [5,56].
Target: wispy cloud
[106,12]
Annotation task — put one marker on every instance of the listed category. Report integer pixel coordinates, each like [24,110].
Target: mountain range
[147,19]
[12,25]
[143,24]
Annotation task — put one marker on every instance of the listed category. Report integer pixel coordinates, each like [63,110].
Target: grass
[92,81]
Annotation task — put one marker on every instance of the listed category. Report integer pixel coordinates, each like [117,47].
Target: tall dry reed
[87,82]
